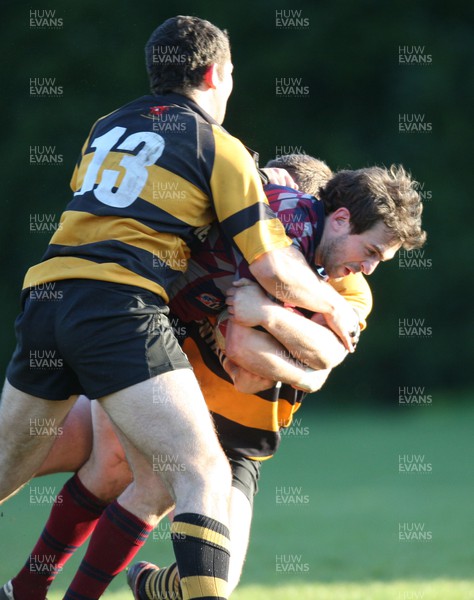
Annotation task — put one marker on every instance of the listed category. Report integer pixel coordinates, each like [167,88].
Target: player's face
[223,90]
[345,253]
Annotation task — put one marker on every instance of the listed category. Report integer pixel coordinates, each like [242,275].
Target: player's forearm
[314,380]
[261,354]
[311,343]
[245,381]
[286,275]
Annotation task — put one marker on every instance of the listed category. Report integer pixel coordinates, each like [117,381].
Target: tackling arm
[244,215]
[307,341]
[285,274]
[261,354]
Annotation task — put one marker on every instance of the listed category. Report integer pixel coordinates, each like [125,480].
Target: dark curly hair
[180,51]
[377,194]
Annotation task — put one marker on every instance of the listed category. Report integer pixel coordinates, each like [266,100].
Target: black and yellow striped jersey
[151,178]
[250,424]
[246,424]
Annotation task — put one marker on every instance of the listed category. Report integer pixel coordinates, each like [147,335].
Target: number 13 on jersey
[134,164]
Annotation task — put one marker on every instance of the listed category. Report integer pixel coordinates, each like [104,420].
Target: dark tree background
[348,56]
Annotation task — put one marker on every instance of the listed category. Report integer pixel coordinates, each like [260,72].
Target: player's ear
[341,219]
[211,76]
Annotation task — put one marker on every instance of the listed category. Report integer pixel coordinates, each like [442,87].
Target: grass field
[335,519]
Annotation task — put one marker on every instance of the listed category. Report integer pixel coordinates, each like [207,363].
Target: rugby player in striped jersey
[121,243]
[243,452]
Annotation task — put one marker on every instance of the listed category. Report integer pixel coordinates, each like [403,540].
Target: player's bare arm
[311,343]
[261,354]
[285,274]
[245,381]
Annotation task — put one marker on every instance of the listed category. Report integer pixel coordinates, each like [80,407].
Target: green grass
[409,590]
[340,532]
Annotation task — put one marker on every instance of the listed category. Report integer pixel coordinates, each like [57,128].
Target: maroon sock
[72,519]
[119,535]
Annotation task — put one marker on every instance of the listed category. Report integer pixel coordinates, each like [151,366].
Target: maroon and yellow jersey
[201,291]
[249,425]
[151,178]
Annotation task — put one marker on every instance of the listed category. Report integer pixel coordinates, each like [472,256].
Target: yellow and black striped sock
[201,546]
[161,585]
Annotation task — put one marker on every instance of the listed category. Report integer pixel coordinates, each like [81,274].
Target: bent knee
[150,497]
[106,476]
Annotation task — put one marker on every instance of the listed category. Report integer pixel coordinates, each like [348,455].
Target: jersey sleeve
[356,290]
[239,201]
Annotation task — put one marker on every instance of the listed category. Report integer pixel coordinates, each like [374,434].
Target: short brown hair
[377,194]
[309,173]
[180,51]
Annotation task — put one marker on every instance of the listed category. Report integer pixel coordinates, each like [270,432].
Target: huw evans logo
[168,190]
[414,395]
[45,155]
[284,292]
[296,358]
[291,19]
[284,150]
[168,122]
[167,463]
[295,429]
[424,193]
[294,224]
[44,495]
[172,258]
[45,19]
[410,328]
[290,563]
[168,55]
[291,87]
[44,223]
[414,259]
[45,359]
[45,292]
[163,532]
[414,55]
[42,426]
[414,463]
[290,495]
[414,532]
[413,123]
[45,87]
[44,564]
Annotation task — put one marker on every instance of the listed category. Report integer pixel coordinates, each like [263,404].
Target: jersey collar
[181,100]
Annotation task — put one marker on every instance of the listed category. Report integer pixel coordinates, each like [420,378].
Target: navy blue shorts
[91,337]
